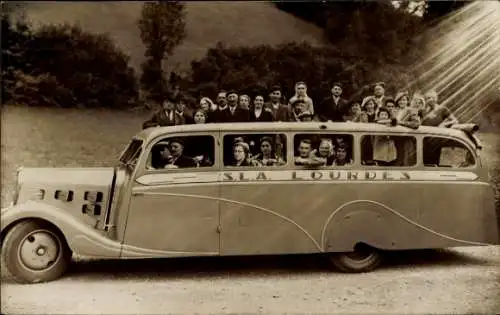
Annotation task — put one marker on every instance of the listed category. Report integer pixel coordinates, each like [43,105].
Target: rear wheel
[363,259]
[34,251]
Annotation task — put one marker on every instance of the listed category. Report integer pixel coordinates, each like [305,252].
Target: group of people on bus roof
[230,107]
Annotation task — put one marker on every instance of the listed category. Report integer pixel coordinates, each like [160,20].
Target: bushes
[64,66]
[252,69]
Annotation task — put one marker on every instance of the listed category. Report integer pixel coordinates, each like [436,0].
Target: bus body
[432,192]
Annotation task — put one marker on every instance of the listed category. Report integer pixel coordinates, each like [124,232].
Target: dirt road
[464,280]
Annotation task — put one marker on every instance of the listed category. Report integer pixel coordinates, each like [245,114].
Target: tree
[163,27]
[64,66]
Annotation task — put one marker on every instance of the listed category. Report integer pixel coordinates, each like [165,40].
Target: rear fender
[81,237]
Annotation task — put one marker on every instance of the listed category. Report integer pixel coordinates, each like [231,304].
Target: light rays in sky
[463,60]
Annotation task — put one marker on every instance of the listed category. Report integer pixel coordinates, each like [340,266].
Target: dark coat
[240,115]
[280,114]
[329,110]
[160,118]
[184,161]
[188,119]
[264,116]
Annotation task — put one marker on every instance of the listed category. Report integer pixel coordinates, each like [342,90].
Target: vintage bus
[348,191]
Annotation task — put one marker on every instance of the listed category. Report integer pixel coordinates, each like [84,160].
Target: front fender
[81,236]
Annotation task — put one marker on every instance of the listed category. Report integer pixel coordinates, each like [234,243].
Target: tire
[33,252]
[363,259]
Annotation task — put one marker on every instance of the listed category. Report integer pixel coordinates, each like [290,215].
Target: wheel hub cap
[39,250]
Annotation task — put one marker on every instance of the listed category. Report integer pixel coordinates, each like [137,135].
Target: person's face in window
[244,101]
[258,102]
[167,105]
[221,98]
[355,108]
[341,154]
[324,149]
[199,117]
[403,102]
[275,96]
[265,148]
[379,90]
[304,149]
[337,91]
[176,149]
[383,115]
[370,107]
[301,90]
[232,99]
[239,153]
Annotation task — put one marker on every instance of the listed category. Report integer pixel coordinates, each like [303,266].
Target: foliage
[162,26]
[252,70]
[64,66]
[373,30]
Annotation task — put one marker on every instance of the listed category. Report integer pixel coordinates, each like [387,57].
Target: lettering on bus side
[315,175]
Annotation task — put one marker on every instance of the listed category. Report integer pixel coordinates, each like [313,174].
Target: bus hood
[63,184]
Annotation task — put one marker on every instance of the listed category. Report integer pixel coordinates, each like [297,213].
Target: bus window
[444,152]
[182,152]
[323,149]
[259,150]
[385,150]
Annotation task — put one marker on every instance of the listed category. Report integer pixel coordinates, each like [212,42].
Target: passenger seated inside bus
[323,149]
[268,150]
[385,150]
[182,152]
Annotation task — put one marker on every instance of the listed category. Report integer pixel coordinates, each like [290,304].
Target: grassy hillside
[233,23]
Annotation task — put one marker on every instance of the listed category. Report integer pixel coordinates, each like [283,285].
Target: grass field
[61,137]
[231,22]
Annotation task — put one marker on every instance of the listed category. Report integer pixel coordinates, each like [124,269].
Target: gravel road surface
[460,280]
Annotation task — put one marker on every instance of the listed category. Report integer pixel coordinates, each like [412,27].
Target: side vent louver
[64,195]
[93,206]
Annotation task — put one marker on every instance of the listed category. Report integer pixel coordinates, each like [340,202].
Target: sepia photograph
[305,157]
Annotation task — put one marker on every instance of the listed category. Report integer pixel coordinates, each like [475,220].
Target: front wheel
[363,259]
[34,252]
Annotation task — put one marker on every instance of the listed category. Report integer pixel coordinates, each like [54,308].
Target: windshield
[132,152]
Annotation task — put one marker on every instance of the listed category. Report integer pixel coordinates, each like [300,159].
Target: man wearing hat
[233,112]
[173,156]
[165,116]
[334,107]
[279,110]
[379,95]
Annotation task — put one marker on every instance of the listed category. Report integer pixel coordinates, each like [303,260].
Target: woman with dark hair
[402,101]
[341,155]
[267,155]
[259,114]
[200,116]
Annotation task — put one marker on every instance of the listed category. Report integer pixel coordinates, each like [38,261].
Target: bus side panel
[463,211]
[307,217]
